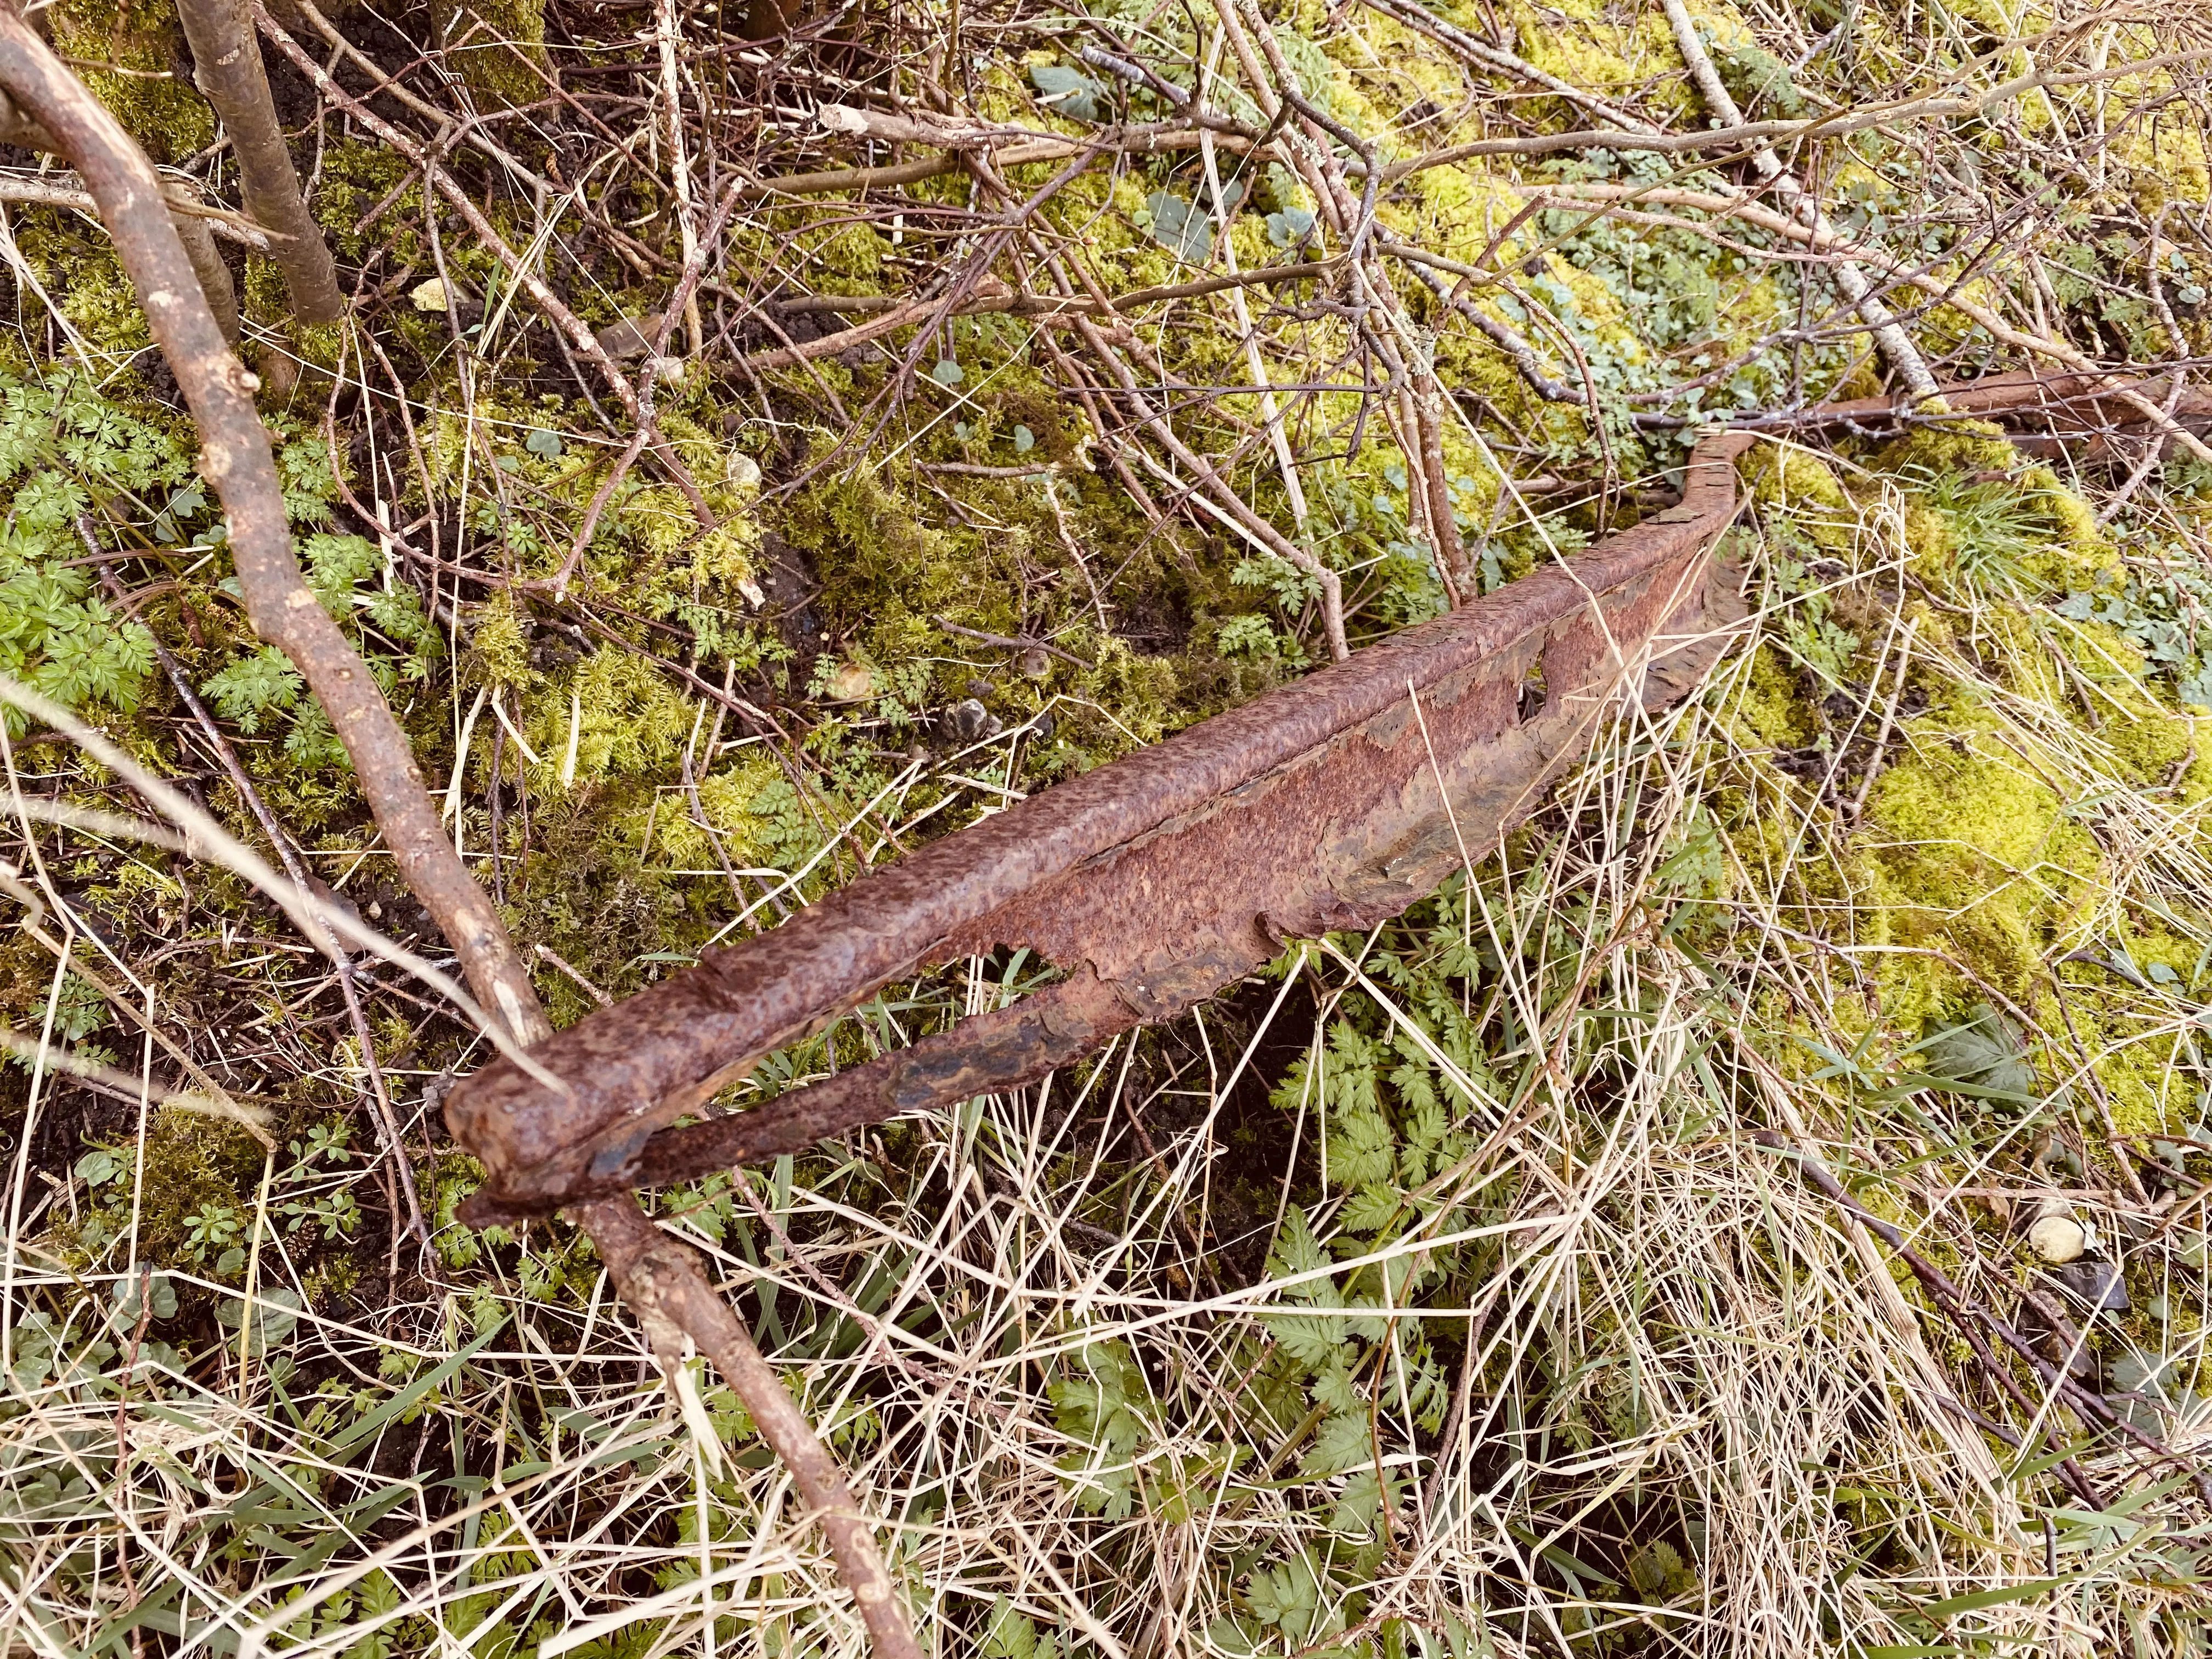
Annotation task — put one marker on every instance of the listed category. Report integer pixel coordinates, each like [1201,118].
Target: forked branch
[236,459]
[1889,335]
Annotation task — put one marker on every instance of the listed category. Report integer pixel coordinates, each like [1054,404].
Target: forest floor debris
[744,461]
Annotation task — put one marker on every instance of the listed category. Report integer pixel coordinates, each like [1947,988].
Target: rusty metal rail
[1157,881]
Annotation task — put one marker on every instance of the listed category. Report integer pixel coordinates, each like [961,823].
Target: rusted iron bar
[1157,881]
[2047,414]
[1153,881]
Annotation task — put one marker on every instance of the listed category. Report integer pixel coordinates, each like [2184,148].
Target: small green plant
[1104,1405]
[213,1228]
[64,451]
[1995,528]
[1011,1634]
[2161,607]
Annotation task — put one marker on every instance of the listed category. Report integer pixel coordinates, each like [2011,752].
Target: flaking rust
[1157,881]
[1153,882]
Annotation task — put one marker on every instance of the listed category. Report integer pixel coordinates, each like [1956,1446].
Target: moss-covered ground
[1431,1293]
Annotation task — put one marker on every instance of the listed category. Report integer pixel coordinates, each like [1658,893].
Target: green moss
[499,644]
[2105,654]
[493,44]
[1797,482]
[1863,381]
[1980,855]
[85,282]
[2148,739]
[196,1165]
[627,720]
[131,54]
[1957,446]
[2081,555]
[1969,873]
[358,178]
[747,806]
[1589,50]
[2140,1087]
[1769,705]
[264,297]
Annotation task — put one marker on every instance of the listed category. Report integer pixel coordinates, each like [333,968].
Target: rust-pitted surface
[1157,880]
[1154,881]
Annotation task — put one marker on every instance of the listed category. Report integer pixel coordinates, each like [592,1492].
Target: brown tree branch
[1826,239]
[1888,333]
[287,854]
[198,242]
[579,336]
[661,1283]
[64,191]
[227,68]
[236,459]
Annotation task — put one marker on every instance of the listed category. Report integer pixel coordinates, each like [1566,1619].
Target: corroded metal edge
[1153,881]
[1157,880]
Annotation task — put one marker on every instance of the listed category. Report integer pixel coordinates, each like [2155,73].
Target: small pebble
[968,721]
[980,688]
[2058,1238]
[1035,663]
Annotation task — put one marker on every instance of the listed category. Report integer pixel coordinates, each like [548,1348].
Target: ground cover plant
[1616,1254]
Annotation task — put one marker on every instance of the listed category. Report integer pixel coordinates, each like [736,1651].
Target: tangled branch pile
[1757,1209]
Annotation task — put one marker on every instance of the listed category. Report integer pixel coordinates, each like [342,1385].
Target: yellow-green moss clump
[85,281]
[1978,858]
[1974,872]
[1800,483]
[497,45]
[131,54]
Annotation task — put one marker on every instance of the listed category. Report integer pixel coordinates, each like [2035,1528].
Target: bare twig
[661,1280]
[235,457]
[207,265]
[289,855]
[577,336]
[1889,334]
